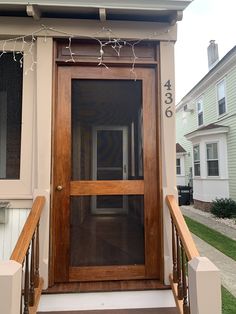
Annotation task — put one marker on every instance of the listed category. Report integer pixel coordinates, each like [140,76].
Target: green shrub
[224,208]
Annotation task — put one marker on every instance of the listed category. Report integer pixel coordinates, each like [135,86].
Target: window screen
[221,97]
[11,75]
[196,157]
[212,159]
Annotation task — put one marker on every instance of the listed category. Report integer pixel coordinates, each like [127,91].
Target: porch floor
[169,310]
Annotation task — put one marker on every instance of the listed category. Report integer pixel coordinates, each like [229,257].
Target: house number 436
[168,99]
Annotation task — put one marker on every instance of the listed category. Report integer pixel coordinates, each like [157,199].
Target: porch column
[204,286]
[43,143]
[167,94]
[10,287]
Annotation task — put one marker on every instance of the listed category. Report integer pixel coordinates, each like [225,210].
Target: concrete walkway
[226,264]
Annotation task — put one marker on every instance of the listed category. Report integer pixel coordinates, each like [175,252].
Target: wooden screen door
[105,244]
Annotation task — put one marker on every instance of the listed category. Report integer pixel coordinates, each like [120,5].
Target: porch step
[167,310]
[125,302]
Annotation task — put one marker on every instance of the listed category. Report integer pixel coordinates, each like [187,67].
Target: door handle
[125,169]
[59,188]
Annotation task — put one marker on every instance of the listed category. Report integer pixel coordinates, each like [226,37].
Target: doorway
[106,193]
[110,162]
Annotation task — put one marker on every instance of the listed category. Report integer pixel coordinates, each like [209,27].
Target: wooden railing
[183,250]
[26,252]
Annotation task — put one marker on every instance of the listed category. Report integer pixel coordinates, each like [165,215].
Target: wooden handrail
[28,230]
[181,226]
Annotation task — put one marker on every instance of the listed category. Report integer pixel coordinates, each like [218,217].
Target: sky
[203,20]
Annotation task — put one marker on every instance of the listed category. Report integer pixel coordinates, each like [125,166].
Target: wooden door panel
[116,187]
[62,166]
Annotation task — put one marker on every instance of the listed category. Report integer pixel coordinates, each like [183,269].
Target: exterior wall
[10,231]
[168,150]
[209,189]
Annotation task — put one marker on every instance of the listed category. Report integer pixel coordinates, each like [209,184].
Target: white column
[10,287]
[204,286]
[43,143]
[167,145]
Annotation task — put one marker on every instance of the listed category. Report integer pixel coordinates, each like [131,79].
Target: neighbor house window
[200,111]
[11,74]
[178,166]
[221,97]
[196,160]
[212,159]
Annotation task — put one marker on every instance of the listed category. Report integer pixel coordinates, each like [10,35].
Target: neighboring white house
[180,162]
[206,129]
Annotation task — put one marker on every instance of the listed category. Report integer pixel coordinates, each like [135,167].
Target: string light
[113,41]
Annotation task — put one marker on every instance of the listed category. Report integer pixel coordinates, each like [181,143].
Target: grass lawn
[222,243]
[228,302]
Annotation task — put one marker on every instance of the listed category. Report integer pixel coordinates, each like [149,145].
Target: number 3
[169,99]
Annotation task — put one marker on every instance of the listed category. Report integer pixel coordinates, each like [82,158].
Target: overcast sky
[203,20]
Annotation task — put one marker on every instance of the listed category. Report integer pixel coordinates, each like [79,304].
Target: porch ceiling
[139,10]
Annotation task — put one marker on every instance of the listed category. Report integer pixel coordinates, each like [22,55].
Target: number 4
[168,85]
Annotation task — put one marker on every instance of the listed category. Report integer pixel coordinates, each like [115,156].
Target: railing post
[204,286]
[10,287]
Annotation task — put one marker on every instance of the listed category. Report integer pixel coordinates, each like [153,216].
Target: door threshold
[106,286]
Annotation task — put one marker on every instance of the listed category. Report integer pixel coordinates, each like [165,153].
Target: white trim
[206,132]
[111,4]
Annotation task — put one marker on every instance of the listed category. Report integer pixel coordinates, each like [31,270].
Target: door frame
[124,129]
[153,269]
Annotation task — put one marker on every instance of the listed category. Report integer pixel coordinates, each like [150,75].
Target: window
[200,111]
[212,159]
[196,160]
[178,166]
[17,107]
[221,97]
[10,115]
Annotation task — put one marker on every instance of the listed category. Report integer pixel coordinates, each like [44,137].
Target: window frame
[222,81]
[214,159]
[198,161]
[201,111]
[22,188]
